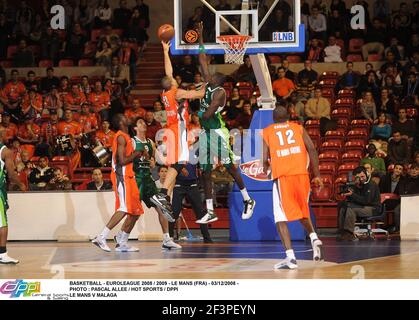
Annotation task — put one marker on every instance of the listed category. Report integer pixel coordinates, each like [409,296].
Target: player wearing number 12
[290,151]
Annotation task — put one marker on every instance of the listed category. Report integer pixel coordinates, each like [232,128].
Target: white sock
[290,254]
[124,237]
[210,204]
[166,237]
[313,237]
[245,194]
[105,233]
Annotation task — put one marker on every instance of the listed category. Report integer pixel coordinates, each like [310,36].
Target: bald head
[280,113]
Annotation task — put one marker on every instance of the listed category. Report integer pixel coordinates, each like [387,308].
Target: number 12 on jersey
[289,136]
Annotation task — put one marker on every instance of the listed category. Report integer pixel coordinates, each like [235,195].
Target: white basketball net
[235,47]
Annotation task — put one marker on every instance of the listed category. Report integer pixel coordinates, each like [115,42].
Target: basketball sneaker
[286,264]
[101,243]
[249,207]
[163,202]
[5,259]
[170,245]
[317,250]
[209,217]
[124,247]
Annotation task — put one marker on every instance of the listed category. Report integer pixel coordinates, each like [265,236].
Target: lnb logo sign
[20,288]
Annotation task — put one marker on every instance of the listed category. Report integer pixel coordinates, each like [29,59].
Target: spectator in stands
[24,163]
[128,57]
[374,40]
[5,31]
[111,37]
[392,180]
[362,200]
[152,125]
[118,73]
[28,134]
[415,15]
[413,45]
[409,186]
[396,48]
[333,52]
[368,107]
[22,28]
[85,86]
[10,129]
[135,112]
[162,171]
[121,16]
[106,135]
[369,82]
[406,127]
[84,14]
[60,181]
[398,149]
[100,100]
[297,107]
[104,54]
[49,129]
[381,9]
[31,81]
[390,86]
[319,108]
[314,52]
[102,14]
[53,101]
[386,104]
[245,116]
[390,62]
[137,31]
[381,130]
[159,113]
[195,18]
[304,89]
[187,69]
[317,24]
[350,79]
[279,22]
[88,120]
[64,87]
[75,42]
[12,94]
[49,81]
[283,87]
[411,89]
[416,157]
[97,183]
[245,72]
[288,73]
[308,73]
[337,24]
[234,104]
[40,175]
[144,13]
[32,103]
[222,182]
[23,57]
[74,99]
[377,163]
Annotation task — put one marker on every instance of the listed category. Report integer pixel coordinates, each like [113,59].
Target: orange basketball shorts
[127,195]
[290,198]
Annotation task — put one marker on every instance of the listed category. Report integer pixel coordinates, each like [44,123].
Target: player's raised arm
[168,68]
[217,102]
[202,56]
[314,158]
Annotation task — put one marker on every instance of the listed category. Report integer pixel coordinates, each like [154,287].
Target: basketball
[191,36]
[166,32]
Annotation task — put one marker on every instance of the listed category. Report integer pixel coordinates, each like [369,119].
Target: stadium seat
[45,63]
[63,163]
[342,124]
[95,34]
[90,49]
[312,124]
[11,50]
[244,85]
[346,93]
[328,93]
[374,58]
[228,85]
[331,146]
[322,194]
[36,50]
[341,113]
[6,63]
[344,102]
[62,34]
[358,134]
[119,32]
[355,45]
[294,59]
[246,92]
[362,124]
[275,59]
[329,75]
[329,156]
[351,157]
[334,136]
[86,63]
[328,83]
[66,63]
[345,169]
[329,169]
[354,58]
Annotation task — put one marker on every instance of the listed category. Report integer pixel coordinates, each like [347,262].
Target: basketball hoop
[235,47]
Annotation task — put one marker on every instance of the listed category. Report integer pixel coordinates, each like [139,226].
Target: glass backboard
[275,25]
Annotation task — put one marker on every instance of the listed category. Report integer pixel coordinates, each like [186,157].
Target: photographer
[362,200]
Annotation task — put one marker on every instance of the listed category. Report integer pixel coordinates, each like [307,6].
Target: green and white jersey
[142,165]
[3,184]
[216,121]
[3,190]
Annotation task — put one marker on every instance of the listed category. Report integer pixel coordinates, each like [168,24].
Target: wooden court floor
[379,259]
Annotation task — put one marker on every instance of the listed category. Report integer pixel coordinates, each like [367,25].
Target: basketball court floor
[370,259]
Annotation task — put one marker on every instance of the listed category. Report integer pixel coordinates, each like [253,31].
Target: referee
[187,186]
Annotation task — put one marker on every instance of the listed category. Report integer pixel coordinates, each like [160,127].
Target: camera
[346,187]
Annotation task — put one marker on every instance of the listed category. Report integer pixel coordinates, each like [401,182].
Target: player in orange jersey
[290,150]
[176,106]
[128,203]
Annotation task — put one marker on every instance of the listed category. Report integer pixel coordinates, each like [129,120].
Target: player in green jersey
[215,139]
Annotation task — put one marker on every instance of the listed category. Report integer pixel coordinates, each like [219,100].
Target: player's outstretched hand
[318,182]
[166,46]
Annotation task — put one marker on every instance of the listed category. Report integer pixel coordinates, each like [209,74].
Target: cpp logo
[20,287]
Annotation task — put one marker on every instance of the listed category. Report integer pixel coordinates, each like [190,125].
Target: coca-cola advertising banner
[254,170]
